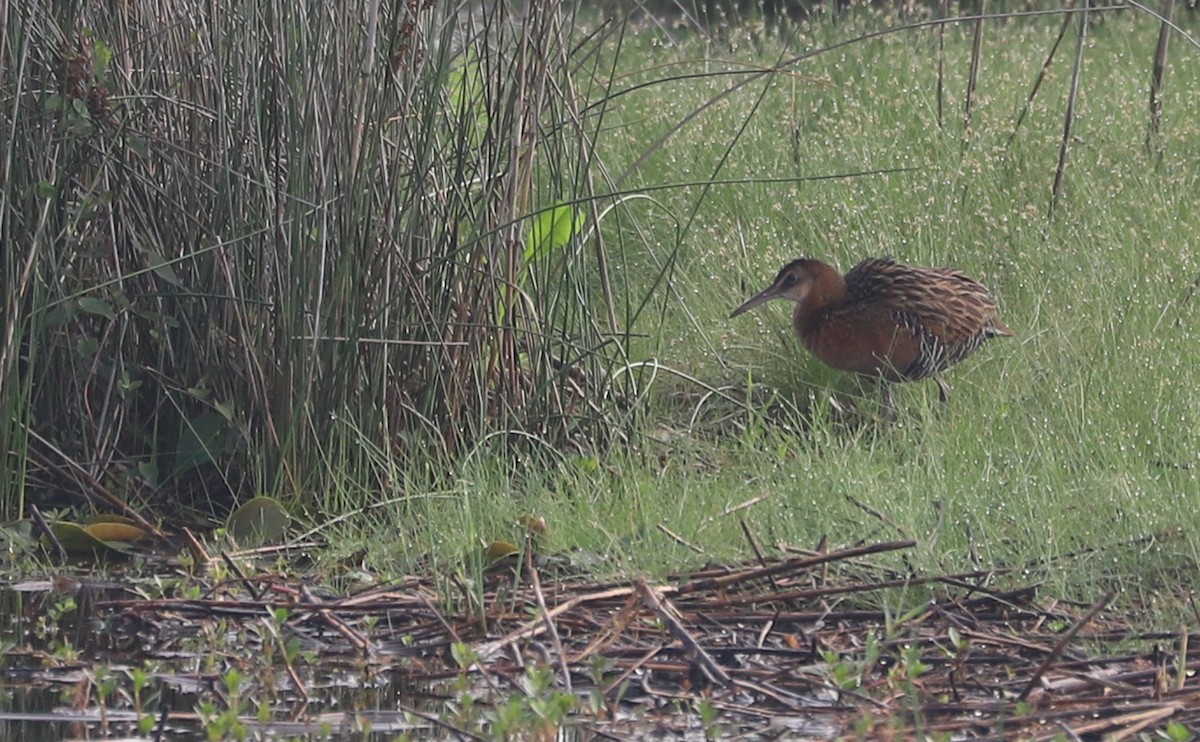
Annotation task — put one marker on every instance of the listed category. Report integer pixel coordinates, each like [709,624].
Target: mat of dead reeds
[779,646]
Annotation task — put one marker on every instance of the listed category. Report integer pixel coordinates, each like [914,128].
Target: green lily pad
[261,520]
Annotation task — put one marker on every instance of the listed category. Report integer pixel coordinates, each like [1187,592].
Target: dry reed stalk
[1062,31]
[944,12]
[1066,638]
[1156,79]
[1069,117]
[973,78]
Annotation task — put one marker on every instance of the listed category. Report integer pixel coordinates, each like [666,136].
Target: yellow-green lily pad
[77,539]
[113,531]
[498,551]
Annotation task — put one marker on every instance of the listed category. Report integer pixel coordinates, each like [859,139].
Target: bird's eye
[789,279]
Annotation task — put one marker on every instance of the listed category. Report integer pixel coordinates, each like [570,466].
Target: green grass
[1081,433]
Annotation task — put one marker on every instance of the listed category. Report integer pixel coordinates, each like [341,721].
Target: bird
[885,319]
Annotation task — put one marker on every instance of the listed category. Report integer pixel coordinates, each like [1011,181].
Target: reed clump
[246,249]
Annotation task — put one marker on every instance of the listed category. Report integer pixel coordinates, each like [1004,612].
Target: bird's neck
[828,290]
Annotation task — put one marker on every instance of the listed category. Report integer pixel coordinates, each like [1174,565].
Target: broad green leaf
[225,409]
[149,472]
[92,305]
[199,441]
[162,268]
[58,316]
[127,384]
[102,56]
[86,347]
[588,464]
[551,230]
[261,520]
[464,656]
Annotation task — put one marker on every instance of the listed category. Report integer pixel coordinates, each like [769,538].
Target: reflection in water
[89,659]
[67,672]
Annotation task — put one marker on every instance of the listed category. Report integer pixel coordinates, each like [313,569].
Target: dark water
[67,670]
[77,664]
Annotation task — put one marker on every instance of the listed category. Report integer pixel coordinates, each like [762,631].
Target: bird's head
[794,282]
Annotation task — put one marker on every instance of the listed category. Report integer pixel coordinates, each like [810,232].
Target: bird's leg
[943,389]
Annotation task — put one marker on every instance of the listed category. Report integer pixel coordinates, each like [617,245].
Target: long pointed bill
[762,297]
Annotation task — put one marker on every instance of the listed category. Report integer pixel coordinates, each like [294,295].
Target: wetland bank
[462,315]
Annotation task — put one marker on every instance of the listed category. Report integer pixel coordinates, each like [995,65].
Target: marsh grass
[1070,449]
[305,201]
[297,250]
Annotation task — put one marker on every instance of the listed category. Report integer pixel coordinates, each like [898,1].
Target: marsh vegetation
[446,284]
